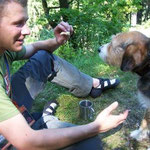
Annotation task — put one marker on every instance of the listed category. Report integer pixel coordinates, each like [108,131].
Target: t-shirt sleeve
[19,55]
[7,108]
[12,56]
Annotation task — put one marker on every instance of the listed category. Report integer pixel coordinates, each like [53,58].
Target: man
[41,67]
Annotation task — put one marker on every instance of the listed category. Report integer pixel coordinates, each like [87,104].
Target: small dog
[131,52]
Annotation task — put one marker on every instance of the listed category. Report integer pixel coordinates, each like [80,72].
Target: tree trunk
[45,7]
[147,13]
[64,4]
[139,16]
[46,11]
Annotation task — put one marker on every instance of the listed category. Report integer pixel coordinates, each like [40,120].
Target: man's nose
[25,30]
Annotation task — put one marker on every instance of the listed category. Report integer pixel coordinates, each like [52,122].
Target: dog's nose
[99,49]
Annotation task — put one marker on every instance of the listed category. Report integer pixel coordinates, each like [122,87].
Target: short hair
[3,3]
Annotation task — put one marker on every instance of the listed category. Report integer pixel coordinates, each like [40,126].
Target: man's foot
[105,84]
[50,108]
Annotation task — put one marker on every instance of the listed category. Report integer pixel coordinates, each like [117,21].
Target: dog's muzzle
[99,49]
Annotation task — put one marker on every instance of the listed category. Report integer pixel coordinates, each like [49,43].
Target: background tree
[93,20]
[143,13]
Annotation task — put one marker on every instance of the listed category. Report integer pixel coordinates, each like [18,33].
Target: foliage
[93,20]
[66,51]
[17,65]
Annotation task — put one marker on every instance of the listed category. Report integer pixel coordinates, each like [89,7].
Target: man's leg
[44,66]
[78,83]
[93,143]
[52,122]
[67,75]
[30,79]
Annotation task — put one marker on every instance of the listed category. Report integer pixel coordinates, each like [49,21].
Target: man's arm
[19,133]
[50,44]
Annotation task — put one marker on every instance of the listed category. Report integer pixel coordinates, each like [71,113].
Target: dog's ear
[148,48]
[127,64]
[130,58]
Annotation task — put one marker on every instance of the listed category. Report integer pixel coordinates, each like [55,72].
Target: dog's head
[127,50]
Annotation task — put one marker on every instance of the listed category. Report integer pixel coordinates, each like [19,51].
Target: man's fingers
[66,26]
[122,117]
[111,107]
[65,33]
[71,29]
[61,27]
[124,114]
[65,29]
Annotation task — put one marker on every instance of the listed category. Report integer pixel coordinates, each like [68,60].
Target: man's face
[13,28]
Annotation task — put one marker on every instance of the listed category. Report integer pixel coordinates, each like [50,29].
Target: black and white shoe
[50,108]
[105,84]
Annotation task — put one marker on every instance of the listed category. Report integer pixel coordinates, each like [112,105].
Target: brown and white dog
[131,52]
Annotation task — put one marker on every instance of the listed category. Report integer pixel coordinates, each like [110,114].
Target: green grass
[125,94]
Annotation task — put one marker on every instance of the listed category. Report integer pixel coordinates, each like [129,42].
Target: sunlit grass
[125,94]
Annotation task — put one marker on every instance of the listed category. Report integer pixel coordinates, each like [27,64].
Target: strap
[53,74]
[7,78]
[7,66]
[47,112]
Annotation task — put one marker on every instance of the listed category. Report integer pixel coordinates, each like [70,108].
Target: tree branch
[70,1]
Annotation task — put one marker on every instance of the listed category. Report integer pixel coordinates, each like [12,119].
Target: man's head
[13,27]
[3,3]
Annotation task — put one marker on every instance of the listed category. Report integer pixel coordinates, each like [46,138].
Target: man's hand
[106,120]
[63,32]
